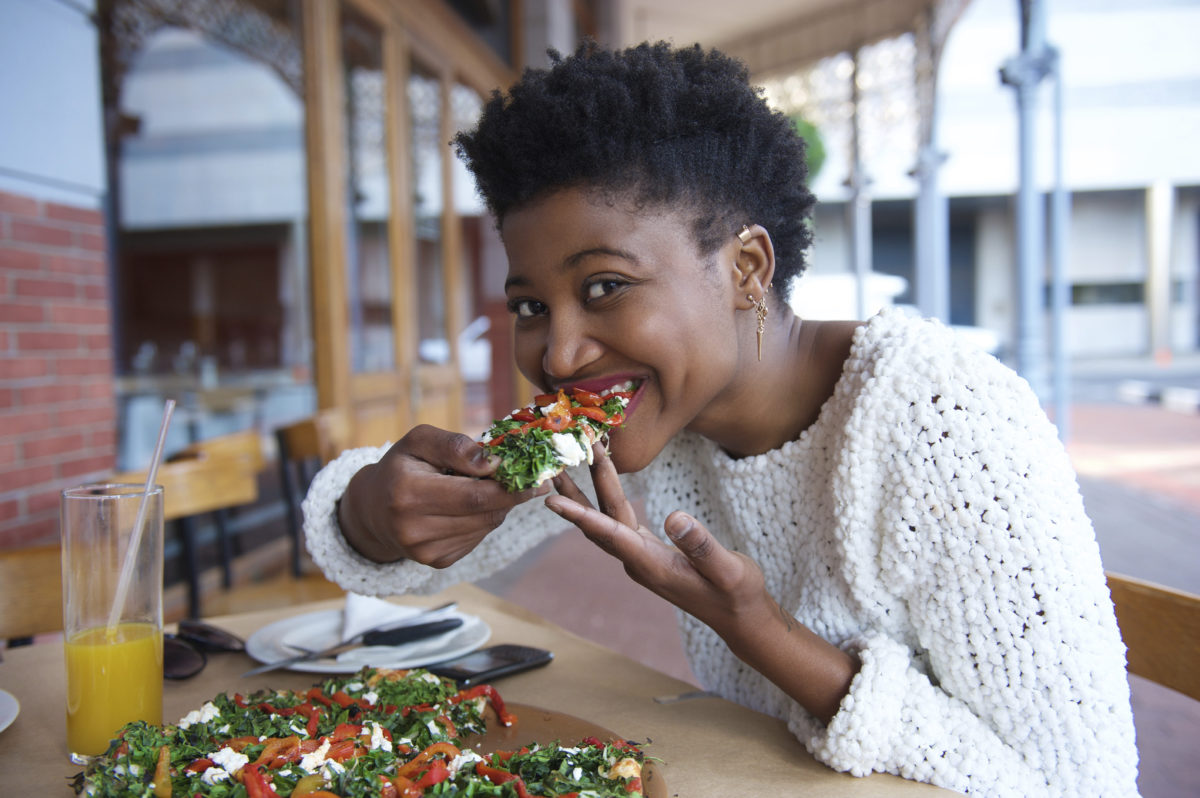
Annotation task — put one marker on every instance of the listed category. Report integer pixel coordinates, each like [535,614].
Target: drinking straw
[135,539]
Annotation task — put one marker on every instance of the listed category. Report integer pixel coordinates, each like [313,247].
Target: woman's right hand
[427,500]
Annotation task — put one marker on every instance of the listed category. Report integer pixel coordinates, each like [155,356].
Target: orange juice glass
[114,670]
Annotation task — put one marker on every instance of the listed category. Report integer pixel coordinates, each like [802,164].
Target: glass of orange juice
[114,660]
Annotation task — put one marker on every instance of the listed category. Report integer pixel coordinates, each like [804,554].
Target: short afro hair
[663,126]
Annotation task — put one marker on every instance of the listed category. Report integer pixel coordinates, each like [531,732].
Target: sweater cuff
[862,736]
[328,547]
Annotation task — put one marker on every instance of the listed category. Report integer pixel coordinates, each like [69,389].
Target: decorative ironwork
[259,29]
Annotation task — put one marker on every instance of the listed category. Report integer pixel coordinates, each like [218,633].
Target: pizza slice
[557,431]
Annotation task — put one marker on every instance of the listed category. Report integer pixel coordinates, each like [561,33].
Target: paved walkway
[1139,471]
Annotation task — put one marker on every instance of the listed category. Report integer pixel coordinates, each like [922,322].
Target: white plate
[317,630]
[9,707]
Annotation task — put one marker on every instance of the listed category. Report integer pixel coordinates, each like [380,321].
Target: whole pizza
[386,733]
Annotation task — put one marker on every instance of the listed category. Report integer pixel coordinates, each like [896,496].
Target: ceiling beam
[818,33]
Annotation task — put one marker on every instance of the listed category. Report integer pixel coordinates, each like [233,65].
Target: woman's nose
[570,348]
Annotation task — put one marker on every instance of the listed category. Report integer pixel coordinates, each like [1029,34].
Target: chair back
[1161,630]
[322,436]
[30,591]
[198,485]
[245,446]
[216,474]
[305,446]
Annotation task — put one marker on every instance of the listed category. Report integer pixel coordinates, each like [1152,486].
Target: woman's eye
[526,308]
[601,288]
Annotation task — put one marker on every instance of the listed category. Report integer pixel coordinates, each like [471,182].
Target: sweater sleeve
[524,527]
[961,513]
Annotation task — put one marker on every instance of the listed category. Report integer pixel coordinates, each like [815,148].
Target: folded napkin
[366,612]
[362,613]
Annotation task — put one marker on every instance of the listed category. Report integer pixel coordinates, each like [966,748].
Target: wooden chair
[208,477]
[245,448]
[30,591]
[1161,629]
[304,447]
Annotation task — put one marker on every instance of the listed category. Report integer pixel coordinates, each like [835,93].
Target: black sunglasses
[185,652]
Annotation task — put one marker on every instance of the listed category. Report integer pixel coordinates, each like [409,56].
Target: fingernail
[678,525]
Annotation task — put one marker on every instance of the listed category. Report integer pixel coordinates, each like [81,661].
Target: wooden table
[707,746]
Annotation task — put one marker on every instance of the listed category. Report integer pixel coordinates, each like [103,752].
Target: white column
[1160,208]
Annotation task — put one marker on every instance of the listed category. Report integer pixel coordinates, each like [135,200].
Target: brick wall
[57,402]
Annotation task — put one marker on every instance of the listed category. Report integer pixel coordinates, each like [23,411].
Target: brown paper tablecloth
[707,746]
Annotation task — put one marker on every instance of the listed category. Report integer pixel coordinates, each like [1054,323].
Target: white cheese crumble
[353,686]
[463,759]
[229,759]
[214,775]
[429,677]
[567,447]
[371,697]
[311,763]
[202,715]
[378,741]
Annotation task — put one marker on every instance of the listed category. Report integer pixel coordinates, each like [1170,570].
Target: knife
[388,634]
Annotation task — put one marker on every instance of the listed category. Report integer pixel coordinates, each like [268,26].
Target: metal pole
[932,267]
[1060,218]
[1024,73]
[931,262]
[859,209]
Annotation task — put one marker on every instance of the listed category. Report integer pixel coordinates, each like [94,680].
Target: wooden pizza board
[545,726]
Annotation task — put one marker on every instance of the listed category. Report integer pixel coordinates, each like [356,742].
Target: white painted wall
[51,133]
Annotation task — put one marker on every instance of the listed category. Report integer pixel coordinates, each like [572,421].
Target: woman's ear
[753,260]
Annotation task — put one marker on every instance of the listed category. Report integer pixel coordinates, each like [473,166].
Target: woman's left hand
[722,588]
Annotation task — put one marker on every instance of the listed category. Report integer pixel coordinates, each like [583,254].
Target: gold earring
[744,235]
[760,310]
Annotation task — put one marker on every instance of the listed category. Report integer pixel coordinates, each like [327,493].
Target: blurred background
[251,207]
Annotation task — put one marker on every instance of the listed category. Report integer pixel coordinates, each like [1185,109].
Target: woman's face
[603,294]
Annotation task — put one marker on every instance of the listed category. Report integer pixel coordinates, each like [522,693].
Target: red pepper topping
[486,690]
[587,398]
[497,776]
[414,765]
[437,773]
[256,783]
[315,694]
[346,731]
[591,412]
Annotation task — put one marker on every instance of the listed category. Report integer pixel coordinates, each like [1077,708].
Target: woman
[871,529]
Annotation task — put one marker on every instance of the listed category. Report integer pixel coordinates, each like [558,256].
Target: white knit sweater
[929,522]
